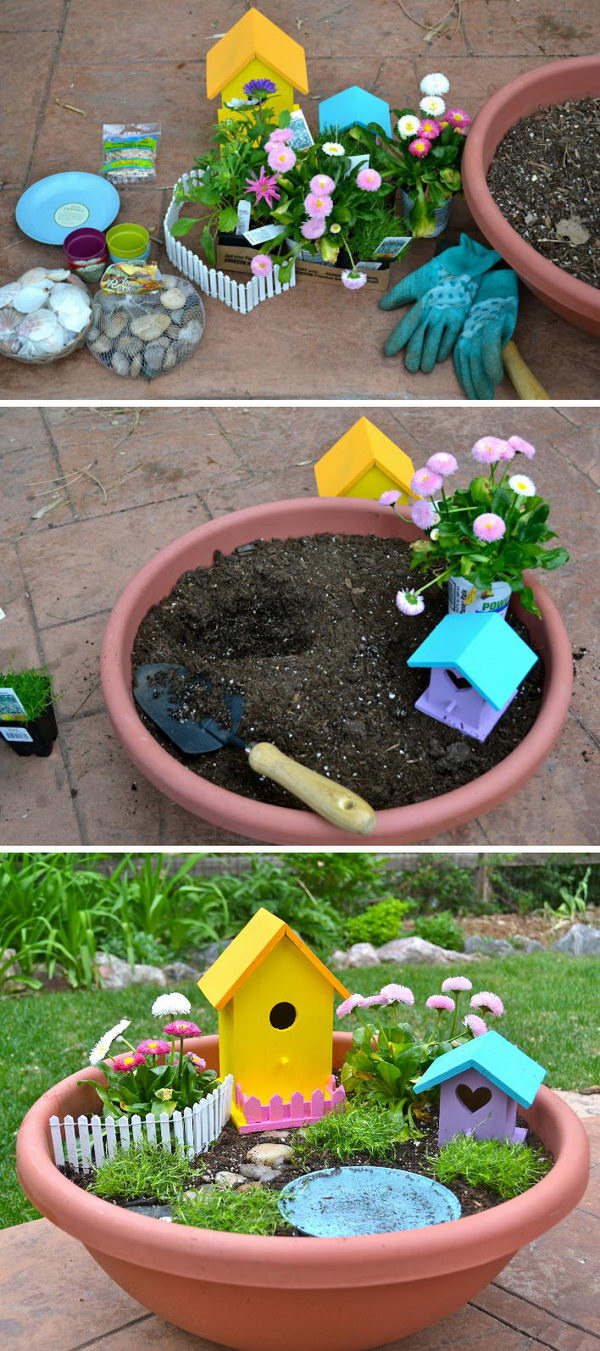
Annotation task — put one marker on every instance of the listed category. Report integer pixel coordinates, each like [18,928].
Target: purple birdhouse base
[451,699]
[472,1105]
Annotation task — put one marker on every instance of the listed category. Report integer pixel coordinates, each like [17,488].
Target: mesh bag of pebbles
[147,333]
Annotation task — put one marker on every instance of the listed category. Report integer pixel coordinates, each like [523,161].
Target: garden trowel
[154,693]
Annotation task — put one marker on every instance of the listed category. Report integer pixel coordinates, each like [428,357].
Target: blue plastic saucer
[49,209]
[342,1202]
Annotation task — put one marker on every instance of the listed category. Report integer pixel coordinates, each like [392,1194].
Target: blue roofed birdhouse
[477,663]
[354,107]
[481,1083]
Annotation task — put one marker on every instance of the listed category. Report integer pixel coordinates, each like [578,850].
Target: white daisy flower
[408,125]
[100,1051]
[434,84]
[333,148]
[334,229]
[523,485]
[171,1005]
[434,107]
[434,534]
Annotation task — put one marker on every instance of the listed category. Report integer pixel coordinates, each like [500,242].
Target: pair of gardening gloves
[461,306]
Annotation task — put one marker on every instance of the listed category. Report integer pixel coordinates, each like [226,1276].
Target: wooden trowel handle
[519,374]
[338,805]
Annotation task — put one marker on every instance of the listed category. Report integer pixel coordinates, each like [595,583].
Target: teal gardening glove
[444,291]
[488,327]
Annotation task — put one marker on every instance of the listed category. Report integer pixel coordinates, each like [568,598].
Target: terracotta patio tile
[190,831]
[293,482]
[552,29]
[82,567]
[591,1200]
[17,634]
[117,805]
[571,1253]
[151,1334]
[533,1321]
[36,806]
[286,437]
[21,429]
[73,655]
[27,16]
[27,484]
[19,107]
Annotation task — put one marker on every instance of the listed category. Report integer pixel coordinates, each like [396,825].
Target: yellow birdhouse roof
[255,36]
[362,447]
[246,952]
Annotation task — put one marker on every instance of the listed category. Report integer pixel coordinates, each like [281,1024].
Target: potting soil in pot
[308,631]
[545,177]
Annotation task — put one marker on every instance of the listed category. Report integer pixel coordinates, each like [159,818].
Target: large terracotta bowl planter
[287,1294]
[287,825]
[575,78]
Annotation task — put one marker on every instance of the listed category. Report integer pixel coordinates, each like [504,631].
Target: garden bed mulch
[545,177]
[308,631]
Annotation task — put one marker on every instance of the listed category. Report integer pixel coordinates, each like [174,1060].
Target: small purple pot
[87,253]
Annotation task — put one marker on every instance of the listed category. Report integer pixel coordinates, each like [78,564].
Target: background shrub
[379,924]
[441,929]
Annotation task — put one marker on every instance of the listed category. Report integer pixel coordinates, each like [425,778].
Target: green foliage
[145,1170]
[34,688]
[442,929]
[438,885]
[379,923]
[573,904]
[430,181]
[234,1212]
[524,887]
[347,881]
[504,1167]
[364,1128]
[154,1088]
[385,1061]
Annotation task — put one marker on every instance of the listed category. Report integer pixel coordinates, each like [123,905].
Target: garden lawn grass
[550,1000]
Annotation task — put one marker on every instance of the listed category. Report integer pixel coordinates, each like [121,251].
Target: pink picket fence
[298,1111]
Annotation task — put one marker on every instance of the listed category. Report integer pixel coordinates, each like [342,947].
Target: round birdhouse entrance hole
[282,1015]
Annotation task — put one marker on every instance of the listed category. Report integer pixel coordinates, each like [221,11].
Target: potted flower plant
[484,536]
[27,718]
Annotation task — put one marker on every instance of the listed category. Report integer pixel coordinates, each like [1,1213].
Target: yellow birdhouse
[255,49]
[364,463]
[275,1005]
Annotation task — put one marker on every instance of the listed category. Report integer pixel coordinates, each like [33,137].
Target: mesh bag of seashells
[143,323]
[44,315]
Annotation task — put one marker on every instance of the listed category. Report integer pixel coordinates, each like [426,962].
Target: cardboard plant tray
[235,258]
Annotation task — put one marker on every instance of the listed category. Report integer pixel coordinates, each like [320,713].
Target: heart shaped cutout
[473,1098]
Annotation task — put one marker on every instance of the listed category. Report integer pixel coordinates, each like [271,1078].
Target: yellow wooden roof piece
[363,446]
[246,952]
[255,35]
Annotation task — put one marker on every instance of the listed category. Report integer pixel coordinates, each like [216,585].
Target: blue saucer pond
[338,1202]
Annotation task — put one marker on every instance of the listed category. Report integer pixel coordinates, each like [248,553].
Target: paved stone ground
[53,1297]
[177,468]
[154,70]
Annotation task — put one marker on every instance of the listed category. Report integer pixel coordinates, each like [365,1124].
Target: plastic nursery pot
[287,825]
[43,732]
[575,78]
[128,243]
[286,1294]
[87,253]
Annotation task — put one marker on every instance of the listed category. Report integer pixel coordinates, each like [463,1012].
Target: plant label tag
[243,220]
[2,615]
[302,137]
[10,705]
[368,267]
[15,734]
[391,246]
[263,233]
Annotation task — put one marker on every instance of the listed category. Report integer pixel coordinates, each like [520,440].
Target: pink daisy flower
[179,1028]
[397,994]
[373,999]
[424,514]
[261,265]
[387,499]
[354,1001]
[354,280]
[489,526]
[313,228]
[442,463]
[281,158]
[458,118]
[322,183]
[124,1063]
[440,1001]
[426,481]
[368,179]
[282,134]
[456,983]
[154,1047]
[487,450]
[420,147]
[522,447]
[409,603]
[488,1003]
[429,128]
[264,187]
[318,204]
[196,1060]
[475,1025]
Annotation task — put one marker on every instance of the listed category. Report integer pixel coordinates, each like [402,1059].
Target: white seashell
[71,305]
[29,298]
[8,293]
[43,330]
[36,276]
[59,274]
[8,322]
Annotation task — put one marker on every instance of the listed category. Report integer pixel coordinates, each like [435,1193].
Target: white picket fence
[240,296]
[87,1142]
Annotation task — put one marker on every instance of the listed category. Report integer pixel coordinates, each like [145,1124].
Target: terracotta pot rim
[178,1249]
[274,824]
[518,252]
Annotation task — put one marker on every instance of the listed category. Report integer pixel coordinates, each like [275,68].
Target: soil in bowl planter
[308,631]
[545,177]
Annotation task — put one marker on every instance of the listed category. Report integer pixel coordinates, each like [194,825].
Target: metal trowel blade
[156,699]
